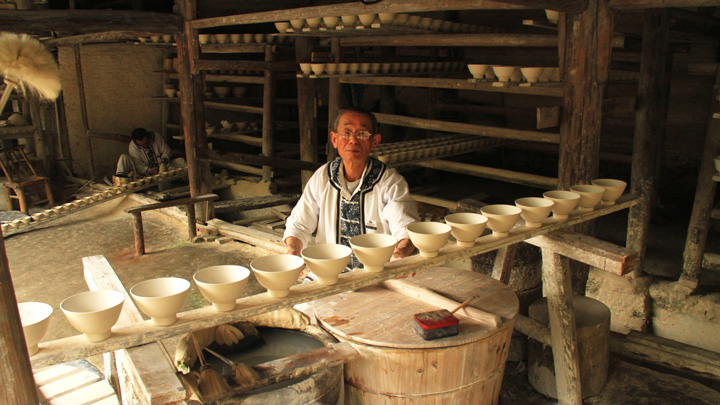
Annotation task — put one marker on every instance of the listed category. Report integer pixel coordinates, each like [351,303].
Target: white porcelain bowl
[565,202]
[429,237]
[503,73]
[161,298]
[590,196]
[277,273]
[297,23]
[222,285]
[501,218]
[613,189]
[531,74]
[313,22]
[331,22]
[306,68]
[367,19]
[373,250]
[349,21]
[35,318]
[317,68]
[478,71]
[282,26]
[534,210]
[466,227]
[93,313]
[326,261]
[387,18]
[552,16]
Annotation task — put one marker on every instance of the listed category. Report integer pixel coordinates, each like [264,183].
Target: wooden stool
[592,319]
[22,178]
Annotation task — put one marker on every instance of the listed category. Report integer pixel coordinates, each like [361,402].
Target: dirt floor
[46,265]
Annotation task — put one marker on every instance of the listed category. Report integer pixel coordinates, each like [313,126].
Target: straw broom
[243,374]
[210,383]
[26,64]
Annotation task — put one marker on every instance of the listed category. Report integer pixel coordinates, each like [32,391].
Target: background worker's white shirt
[386,206]
[159,147]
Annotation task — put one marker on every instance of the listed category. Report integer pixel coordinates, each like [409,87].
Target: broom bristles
[211,383]
[24,60]
[245,375]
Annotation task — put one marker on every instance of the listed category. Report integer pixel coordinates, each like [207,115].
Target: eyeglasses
[360,135]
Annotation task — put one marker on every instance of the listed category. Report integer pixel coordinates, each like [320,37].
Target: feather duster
[27,63]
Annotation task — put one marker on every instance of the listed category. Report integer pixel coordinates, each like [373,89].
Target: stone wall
[119,83]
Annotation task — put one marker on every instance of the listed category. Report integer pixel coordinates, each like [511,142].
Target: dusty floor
[46,265]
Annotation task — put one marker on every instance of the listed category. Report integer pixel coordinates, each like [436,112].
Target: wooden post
[585,64]
[192,228]
[703,203]
[306,109]
[650,120]
[15,370]
[191,104]
[83,106]
[504,261]
[334,99]
[39,137]
[268,129]
[138,234]
[557,285]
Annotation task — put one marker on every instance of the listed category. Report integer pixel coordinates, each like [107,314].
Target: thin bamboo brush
[211,383]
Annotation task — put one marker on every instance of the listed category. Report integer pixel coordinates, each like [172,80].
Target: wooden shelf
[11,132]
[376,74]
[342,31]
[220,105]
[552,89]
[77,347]
[541,24]
[236,48]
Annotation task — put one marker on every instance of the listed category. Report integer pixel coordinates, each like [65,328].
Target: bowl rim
[264,258]
[565,192]
[175,279]
[114,294]
[244,271]
[45,306]
[364,236]
[344,248]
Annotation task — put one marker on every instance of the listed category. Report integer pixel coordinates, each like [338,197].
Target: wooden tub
[396,366]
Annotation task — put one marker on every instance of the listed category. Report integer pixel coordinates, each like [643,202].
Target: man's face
[145,142]
[354,150]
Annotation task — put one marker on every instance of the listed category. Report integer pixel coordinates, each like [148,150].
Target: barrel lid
[376,316]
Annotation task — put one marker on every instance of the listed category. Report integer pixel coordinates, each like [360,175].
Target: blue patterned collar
[374,170]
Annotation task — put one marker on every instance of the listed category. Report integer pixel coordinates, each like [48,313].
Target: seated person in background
[148,153]
[354,194]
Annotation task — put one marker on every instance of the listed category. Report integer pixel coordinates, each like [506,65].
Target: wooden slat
[397,6]
[108,36]
[445,40]
[619,105]
[206,64]
[589,250]
[173,203]
[233,107]
[243,158]
[112,137]
[702,69]
[482,130]
[679,348]
[68,384]
[548,117]
[89,21]
[546,89]
[641,4]
[253,203]
[89,394]
[74,347]
[527,179]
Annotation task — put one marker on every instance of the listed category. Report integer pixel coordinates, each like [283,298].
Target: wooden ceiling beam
[386,6]
[89,21]
[568,6]
[642,4]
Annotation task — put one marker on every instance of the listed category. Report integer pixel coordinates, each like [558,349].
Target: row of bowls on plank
[94,313]
[366,20]
[227,126]
[514,73]
[246,38]
[377,67]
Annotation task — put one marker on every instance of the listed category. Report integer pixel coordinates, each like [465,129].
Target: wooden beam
[254,203]
[650,125]
[557,285]
[702,69]
[390,6]
[543,89]
[15,370]
[111,137]
[561,5]
[243,158]
[472,129]
[268,123]
[108,36]
[532,180]
[619,105]
[643,4]
[75,347]
[307,109]
[689,21]
[232,107]
[89,21]
[465,40]
[591,251]
[206,64]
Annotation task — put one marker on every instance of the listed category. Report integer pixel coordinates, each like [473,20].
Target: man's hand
[294,245]
[403,249]
[153,171]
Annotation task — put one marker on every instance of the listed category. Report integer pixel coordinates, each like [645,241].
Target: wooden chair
[23,180]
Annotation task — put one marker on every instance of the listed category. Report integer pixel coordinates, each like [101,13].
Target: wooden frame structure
[585,42]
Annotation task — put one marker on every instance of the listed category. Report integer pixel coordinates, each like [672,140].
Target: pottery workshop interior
[360,202]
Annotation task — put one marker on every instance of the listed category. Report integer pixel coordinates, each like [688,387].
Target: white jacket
[386,204]
[159,147]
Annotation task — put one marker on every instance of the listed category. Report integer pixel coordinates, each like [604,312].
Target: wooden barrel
[592,323]
[396,366]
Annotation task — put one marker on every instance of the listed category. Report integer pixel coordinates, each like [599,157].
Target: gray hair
[357,110]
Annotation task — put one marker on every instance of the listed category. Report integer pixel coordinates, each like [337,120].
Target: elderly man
[354,194]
